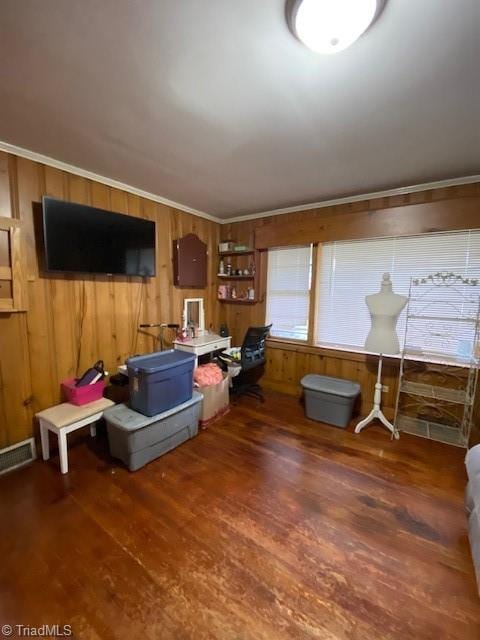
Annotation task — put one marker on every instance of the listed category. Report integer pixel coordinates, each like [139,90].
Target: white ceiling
[213,104]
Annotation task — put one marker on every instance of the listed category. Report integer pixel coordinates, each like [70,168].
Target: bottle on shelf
[221,268]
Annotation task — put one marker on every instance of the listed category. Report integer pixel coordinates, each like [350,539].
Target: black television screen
[88,240]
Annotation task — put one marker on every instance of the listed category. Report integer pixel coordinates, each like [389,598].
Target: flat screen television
[88,240]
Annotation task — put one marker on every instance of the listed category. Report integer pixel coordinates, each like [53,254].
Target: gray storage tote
[329,399]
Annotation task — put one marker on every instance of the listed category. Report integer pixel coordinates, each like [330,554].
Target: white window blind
[288,291]
[348,271]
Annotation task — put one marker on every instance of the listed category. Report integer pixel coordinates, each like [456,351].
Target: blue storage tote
[160,381]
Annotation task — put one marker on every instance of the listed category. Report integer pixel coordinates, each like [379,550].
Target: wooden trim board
[405,220]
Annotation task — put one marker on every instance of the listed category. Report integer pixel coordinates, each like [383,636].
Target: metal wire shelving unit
[440,358]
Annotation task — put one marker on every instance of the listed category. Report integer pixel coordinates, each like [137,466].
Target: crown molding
[399,191]
[64,166]
[83,173]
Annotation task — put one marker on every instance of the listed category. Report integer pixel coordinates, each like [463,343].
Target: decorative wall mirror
[193,313]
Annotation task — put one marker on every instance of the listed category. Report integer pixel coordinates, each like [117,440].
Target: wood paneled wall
[287,363]
[73,321]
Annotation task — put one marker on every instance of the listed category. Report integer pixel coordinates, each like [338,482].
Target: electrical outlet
[385,388]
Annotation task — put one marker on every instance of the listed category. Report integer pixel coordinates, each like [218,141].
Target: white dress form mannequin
[385,307]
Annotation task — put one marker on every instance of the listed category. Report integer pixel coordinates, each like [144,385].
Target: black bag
[92,375]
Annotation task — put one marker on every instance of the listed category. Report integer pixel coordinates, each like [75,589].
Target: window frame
[313,280]
[310,345]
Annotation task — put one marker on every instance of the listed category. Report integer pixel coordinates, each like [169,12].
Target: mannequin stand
[376,412]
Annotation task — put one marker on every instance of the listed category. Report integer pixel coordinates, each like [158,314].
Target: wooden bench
[65,418]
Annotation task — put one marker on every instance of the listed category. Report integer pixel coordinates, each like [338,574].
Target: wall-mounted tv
[88,240]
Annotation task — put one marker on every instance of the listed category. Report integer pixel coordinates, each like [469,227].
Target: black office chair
[252,360]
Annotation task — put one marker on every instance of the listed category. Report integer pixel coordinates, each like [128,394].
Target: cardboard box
[216,401]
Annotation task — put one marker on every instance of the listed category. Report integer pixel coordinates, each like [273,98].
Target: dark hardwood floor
[266,526]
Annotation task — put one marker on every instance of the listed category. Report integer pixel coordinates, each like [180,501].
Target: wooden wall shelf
[247,260]
[224,276]
[247,252]
[237,300]
[12,276]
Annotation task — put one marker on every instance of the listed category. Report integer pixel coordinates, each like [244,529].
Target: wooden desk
[198,346]
[203,344]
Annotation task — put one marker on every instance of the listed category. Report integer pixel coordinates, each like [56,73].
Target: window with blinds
[348,271]
[288,291]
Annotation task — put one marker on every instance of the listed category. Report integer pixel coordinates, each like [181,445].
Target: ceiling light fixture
[329,26]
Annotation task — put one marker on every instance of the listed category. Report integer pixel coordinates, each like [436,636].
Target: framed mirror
[193,313]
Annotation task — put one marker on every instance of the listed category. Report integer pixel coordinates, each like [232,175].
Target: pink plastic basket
[82,395]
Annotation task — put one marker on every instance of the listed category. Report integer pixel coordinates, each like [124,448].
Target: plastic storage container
[82,395]
[136,439]
[160,381]
[328,399]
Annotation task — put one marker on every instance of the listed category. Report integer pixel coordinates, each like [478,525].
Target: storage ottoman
[137,439]
[329,399]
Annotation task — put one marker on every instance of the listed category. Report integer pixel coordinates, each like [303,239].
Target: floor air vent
[17,455]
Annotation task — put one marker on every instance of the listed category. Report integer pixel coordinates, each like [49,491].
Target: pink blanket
[207,374]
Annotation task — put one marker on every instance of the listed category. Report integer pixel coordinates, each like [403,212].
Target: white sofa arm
[472,461]
[474,537]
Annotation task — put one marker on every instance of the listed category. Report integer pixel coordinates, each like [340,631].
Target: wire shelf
[431,430]
[433,357]
[442,318]
[435,399]
[457,396]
